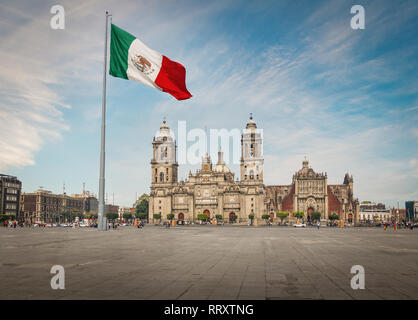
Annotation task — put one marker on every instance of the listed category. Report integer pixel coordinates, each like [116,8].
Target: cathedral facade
[310,192]
[213,190]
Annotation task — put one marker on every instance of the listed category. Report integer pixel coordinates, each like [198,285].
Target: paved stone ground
[208,262]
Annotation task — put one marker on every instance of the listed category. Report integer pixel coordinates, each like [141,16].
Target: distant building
[90,202]
[370,211]
[411,208]
[398,214]
[10,190]
[45,206]
[123,210]
[110,208]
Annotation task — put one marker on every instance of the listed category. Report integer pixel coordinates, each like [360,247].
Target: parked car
[300,225]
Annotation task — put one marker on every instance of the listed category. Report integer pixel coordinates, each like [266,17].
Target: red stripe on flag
[172,79]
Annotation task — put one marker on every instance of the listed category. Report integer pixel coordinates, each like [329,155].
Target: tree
[157,216]
[91,215]
[282,215]
[218,217]
[251,216]
[5,217]
[202,217]
[316,216]
[112,216]
[142,207]
[170,216]
[127,216]
[333,216]
[142,215]
[265,217]
[298,214]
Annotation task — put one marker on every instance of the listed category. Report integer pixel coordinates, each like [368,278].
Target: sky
[346,99]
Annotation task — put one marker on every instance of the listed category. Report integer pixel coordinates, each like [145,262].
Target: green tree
[157,216]
[333,216]
[5,217]
[218,217]
[251,216]
[142,207]
[91,215]
[127,216]
[265,217]
[298,214]
[202,217]
[282,215]
[170,216]
[111,216]
[316,216]
[142,215]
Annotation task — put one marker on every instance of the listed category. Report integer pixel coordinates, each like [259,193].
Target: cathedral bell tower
[251,154]
[164,165]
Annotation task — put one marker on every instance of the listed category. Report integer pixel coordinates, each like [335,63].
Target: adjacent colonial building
[310,192]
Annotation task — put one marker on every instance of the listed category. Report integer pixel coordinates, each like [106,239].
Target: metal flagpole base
[102,224]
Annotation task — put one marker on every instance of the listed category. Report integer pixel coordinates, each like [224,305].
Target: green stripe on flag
[120,42]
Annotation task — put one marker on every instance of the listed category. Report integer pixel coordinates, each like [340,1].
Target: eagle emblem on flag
[142,64]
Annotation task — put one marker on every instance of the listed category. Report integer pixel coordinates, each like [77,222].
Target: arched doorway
[309,214]
[232,217]
[207,212]
[180,217]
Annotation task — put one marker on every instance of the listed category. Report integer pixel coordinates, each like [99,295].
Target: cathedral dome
[220,166]
[164,132]
[251,123]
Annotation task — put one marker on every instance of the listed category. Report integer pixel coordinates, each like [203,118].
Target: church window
[161,176]
[252,175]
[252,150]
[245,177]
[257,176]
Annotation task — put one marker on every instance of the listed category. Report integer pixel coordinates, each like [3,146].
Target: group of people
[139,224]
[12,224]
[395,225]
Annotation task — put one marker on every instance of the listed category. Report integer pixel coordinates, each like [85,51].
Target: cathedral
[213,190]
[310,192]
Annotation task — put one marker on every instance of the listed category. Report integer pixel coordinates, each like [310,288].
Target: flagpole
[102,221]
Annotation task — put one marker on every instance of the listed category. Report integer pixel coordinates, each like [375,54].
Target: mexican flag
[133,60]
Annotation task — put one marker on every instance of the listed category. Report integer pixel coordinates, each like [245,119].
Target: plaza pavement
[208,262]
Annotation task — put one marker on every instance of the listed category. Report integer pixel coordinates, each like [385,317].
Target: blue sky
[346,99]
